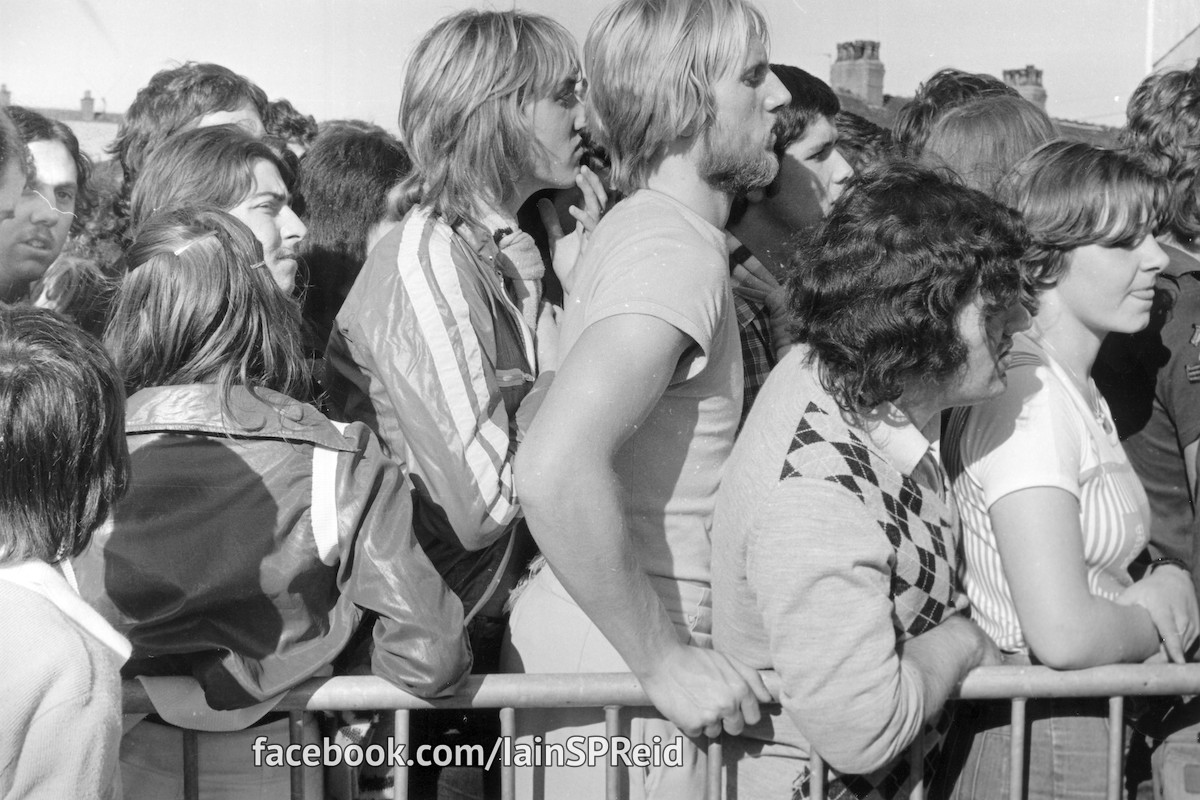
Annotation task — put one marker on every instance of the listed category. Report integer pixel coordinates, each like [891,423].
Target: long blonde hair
[461,112]
[652,65]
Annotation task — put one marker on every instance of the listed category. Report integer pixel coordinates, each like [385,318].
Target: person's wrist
[1167,562]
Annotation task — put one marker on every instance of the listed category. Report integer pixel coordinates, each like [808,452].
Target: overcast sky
[345,58]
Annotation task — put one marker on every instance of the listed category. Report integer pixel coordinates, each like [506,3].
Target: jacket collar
[197,408]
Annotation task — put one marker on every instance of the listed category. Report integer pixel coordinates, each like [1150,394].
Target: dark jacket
[211,566]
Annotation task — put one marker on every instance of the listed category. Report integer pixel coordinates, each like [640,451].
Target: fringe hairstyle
[63,459]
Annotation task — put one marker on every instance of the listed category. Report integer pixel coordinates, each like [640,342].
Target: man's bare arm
[610,381]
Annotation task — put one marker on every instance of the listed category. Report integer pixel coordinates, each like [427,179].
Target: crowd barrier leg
[1016,754]
[612,773]
[715,756]
[1116,746]
[191,765]
[296,735]
[403,734]
[816,771]
[508,773]
[918,767]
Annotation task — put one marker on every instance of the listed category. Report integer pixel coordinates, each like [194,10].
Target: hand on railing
[703,691]
[1168,595]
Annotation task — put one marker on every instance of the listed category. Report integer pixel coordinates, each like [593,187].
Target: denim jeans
[1066,751]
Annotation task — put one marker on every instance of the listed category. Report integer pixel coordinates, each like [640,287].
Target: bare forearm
[581,532]
[937,661]
[1102,632]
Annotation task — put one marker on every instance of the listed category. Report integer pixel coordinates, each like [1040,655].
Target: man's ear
[755,196]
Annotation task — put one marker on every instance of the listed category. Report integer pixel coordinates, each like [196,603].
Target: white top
[1041,432]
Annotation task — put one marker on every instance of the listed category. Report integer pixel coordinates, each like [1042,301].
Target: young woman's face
[1111,289]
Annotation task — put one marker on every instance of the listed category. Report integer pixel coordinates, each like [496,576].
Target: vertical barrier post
[296,735]
[916,755]
[508,772]
[715,756]
[1016,756]
[817,774]
[191,765]
[1116,746]
[612,772]
[400,729]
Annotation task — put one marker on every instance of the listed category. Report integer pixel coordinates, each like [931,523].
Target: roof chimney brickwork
[858,71]
[1028,83]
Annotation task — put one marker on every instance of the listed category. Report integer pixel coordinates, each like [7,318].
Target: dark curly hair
[863,143]
[1163,132]
[1073,194]
[877,289]
[35,127]
[173,100]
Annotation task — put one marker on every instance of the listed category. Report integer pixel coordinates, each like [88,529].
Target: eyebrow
[282,198]
[757,69]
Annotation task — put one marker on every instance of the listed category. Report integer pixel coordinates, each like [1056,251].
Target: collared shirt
[754,331]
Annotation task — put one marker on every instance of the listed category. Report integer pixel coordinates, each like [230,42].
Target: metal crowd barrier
[613,692]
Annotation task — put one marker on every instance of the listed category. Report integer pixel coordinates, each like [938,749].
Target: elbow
[438,675]
[861,757]
[873,740]
[1064,648]
[538,475]
[1062,653]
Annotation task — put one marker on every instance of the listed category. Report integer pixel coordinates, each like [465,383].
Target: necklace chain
[1087,387]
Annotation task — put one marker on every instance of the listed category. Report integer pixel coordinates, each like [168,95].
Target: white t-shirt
[652,255]
[1041,432]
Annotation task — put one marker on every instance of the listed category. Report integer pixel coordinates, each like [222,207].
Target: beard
[733,167]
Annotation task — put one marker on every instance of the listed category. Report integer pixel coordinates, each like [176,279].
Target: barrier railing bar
[1016,755]
[614,690]
[612,772]
[508,772]
[296,735]
[191,765]
[366,693]
[1116,746]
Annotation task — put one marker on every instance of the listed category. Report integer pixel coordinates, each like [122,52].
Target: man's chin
[741,179]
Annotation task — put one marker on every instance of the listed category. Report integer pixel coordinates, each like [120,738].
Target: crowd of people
[638,357]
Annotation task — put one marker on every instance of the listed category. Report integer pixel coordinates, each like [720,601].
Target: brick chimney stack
[858,71]
[1028,82]
[5,96]
[87,106]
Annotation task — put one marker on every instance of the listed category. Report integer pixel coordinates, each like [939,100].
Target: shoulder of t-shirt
[648,227]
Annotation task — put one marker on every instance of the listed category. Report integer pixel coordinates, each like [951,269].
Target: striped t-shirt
[1041,432]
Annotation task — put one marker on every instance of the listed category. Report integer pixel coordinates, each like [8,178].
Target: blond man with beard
[618,472]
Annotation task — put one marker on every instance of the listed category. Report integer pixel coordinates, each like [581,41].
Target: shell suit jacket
[430,351]
[212,567]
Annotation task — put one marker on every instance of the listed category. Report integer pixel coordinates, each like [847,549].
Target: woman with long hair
[258,541]
[1052,512]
